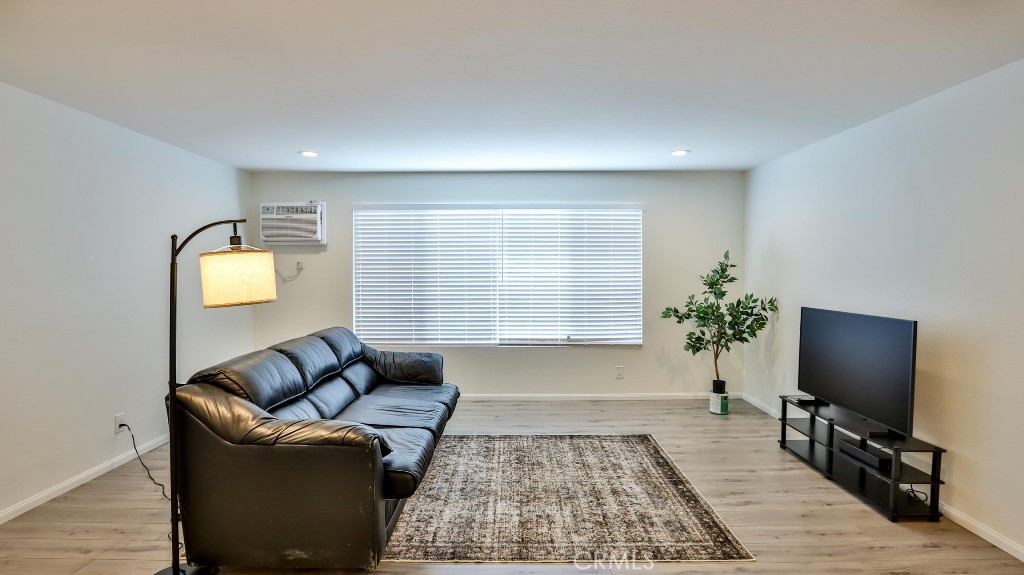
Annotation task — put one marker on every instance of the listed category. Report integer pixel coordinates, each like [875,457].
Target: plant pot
[719,403]
[718,386]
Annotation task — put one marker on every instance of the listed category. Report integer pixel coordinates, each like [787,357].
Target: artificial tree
[718,324]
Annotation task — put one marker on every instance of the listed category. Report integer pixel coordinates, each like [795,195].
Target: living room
[850,156]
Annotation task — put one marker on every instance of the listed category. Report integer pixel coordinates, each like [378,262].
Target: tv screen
[860,362]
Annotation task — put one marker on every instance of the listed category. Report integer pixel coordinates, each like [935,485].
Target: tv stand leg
[933,500]
[829,453]
[782,440]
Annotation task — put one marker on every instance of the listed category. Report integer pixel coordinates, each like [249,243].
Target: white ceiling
[498,84]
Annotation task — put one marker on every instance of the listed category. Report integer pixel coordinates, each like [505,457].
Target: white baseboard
[65,486]
[774,412]
[584,396]
[998,539]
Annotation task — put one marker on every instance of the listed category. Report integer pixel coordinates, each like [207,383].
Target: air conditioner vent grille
[295,223]
[280,210]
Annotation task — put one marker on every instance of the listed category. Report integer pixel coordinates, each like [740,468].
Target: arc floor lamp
[233,275]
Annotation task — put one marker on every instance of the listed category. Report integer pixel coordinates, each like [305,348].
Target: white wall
[917,215]
[690,219]
[88,209]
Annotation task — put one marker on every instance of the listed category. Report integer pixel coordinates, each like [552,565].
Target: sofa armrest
[241,422]
[406,366]
[259,492]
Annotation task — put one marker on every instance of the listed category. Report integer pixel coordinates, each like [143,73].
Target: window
[498,276]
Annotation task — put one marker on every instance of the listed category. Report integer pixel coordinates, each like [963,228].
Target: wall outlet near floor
[120,420]
[620,372]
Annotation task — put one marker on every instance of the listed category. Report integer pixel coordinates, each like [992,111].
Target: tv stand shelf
[824,429]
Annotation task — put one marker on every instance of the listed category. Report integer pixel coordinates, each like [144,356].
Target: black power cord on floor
[163,489]
[915,495]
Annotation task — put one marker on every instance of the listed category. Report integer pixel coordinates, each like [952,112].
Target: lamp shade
[237,277]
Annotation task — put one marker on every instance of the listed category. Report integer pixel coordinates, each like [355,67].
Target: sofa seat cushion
[405,466]
[381,412]
[299,408]
[443,393]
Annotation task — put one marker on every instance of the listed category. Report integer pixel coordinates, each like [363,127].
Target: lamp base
[185,569]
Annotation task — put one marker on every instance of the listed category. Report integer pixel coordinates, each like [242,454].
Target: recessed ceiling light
[312,154]
[680,152]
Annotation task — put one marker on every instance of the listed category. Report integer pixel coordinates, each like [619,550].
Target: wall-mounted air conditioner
[295,223]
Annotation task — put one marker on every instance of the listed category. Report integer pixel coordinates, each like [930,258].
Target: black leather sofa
[302,455]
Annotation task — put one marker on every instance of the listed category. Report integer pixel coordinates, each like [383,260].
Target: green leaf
[717,323]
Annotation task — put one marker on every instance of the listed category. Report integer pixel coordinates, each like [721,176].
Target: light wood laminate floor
[787,515]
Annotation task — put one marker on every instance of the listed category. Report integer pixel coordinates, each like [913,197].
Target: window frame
[497,341]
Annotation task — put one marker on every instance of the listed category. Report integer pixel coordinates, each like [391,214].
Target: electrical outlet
[119,420]
[620,372]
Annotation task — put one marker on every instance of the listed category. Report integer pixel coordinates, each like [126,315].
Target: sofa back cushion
[331,397]
[265,377]
[355,370]
[343,342]
[312,357]
[361,376]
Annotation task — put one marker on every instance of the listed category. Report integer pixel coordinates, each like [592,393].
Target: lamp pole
[176,567]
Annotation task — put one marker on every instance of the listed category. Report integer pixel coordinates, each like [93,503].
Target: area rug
[559,499]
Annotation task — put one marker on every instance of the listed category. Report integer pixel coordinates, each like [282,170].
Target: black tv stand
[874,470]
[885,434]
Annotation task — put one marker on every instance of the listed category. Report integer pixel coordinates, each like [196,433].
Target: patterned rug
[559,499]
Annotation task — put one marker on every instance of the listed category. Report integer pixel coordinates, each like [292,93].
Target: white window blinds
[498,276]
[426,276]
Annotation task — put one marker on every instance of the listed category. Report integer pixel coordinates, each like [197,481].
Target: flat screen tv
[862,363]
